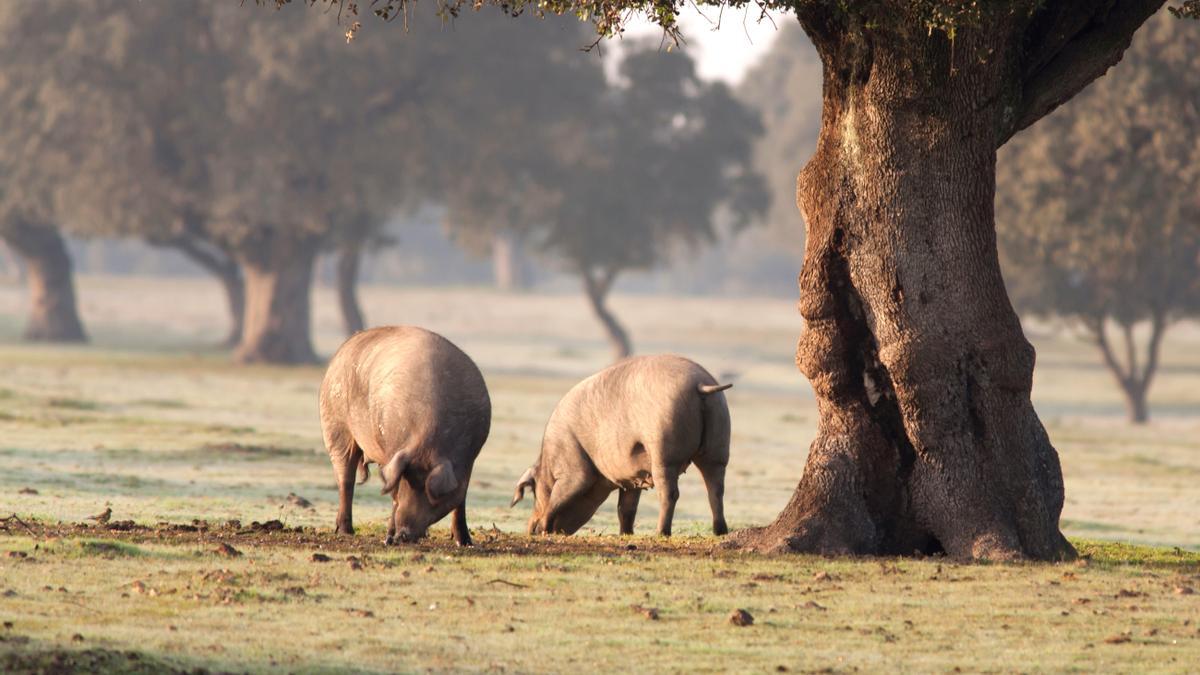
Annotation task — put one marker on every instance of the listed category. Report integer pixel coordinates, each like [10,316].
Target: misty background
[269,154]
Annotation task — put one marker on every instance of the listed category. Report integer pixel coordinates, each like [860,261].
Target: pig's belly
[629,470]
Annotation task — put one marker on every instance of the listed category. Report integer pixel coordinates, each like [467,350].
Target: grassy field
[154,424]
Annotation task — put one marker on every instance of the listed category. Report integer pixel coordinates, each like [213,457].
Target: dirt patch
[55,661]
[274,534]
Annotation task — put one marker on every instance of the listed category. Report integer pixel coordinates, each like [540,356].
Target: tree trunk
[927,439]
[53,316]
[349,257]
[278,277]
[597,286]
[221,265]
[1133,380]
[508,267]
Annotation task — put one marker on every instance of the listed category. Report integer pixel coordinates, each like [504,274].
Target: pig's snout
[403,536]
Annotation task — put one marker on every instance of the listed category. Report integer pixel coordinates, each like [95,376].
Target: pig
[410,401]
[634,425]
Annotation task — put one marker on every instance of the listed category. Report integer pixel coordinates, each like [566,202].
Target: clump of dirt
[740,617]
[227,550]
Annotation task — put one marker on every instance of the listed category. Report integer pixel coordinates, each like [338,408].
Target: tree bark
[53,315]
[349,258]
[596,286]
[927,440]
[278,275]
[221,265]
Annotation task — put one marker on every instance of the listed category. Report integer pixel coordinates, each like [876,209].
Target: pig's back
[644,401]
[407,387]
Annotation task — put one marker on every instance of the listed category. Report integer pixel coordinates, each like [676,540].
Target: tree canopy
[1097,210]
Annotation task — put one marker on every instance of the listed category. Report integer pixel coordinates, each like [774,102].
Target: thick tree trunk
[278,278]
[53,316]
[221,265]
[596,286]
[349,257]
[927,438]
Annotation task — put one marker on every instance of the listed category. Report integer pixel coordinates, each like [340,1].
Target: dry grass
[161,428]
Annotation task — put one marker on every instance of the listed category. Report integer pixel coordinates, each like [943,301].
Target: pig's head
[541,483]
[420,496]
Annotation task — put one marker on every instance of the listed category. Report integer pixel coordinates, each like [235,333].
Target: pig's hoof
[464,542]
[346,530]
[389,540]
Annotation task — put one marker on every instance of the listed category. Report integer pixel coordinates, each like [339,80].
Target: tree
[1098,214]
[661,152]
[36,168]
[166,87]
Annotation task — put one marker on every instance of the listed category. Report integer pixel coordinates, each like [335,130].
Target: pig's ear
[441,481]
[394,470]
[525,482]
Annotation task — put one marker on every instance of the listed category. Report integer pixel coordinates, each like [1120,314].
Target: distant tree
[1098,206]
[661,153]
[43,121]
[499,146]
[251,144]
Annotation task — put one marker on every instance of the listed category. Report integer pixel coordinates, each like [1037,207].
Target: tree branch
[1065,54]
[214,260]
[1158,327]
[1100,333]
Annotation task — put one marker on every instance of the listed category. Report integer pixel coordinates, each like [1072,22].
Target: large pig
[637,424]
[408,400]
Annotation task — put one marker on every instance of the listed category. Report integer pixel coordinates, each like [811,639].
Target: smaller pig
[409,400]
[637,424]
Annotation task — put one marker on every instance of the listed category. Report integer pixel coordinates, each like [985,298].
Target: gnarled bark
[277,271]
[928,440]
[596,285]
[53,315]
[220,264]
[349,258]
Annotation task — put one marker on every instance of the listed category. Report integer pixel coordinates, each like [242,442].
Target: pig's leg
[666,481]
[391,531]
[458,528]
[565,492]
[346,456]
[627,503]
[714,482]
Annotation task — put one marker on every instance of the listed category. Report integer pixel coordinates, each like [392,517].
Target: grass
[155,425]
[562,605]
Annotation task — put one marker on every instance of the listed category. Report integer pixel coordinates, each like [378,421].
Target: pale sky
[723,53]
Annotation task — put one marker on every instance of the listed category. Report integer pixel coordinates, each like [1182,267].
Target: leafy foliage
[1098,214]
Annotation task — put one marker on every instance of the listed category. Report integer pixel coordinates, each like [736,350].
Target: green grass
[580,604]
[160,428]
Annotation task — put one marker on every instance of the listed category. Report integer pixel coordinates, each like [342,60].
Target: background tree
[1098,209]
[662,151]
[168,86]
[928,440]
[44,124]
